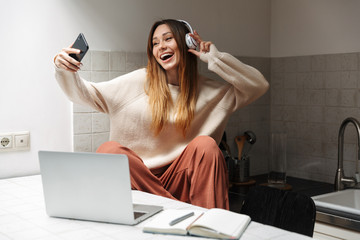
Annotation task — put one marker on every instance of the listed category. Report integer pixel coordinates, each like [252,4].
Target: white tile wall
[82,123]
[134,61]
[99,61]
[117,61]
[325,92]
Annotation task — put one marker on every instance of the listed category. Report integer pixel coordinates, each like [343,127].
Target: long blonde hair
[157,89]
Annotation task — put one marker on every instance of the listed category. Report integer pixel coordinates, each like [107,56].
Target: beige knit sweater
[126,103]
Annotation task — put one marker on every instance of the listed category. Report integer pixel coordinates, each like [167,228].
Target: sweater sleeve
[248,84]
[79,90]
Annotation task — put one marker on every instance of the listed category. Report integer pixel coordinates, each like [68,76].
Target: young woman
[168,119]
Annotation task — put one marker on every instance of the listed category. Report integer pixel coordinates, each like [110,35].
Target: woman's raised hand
[204,46]
[63,60]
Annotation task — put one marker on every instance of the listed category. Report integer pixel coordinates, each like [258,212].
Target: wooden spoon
[240,141]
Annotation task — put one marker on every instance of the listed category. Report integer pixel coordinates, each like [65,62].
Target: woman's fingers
[65,61]
[196,36]
[65,64]
[204,46]
[67,56]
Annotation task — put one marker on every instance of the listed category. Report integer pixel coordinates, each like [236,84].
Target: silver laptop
[90,186]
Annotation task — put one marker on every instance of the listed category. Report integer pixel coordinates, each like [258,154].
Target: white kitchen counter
[23,217]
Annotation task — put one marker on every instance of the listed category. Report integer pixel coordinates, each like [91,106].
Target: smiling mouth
[166,56]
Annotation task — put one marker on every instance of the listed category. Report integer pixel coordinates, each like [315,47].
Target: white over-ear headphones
[190,41]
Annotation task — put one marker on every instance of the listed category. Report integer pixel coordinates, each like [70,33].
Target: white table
[23,217]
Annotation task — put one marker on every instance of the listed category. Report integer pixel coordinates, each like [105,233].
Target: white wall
[32,32]
[29,98]
[310,27]
[241,27]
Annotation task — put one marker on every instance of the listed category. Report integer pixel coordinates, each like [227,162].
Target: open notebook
[214,223]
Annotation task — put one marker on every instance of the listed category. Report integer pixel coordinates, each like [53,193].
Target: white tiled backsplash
[309,97]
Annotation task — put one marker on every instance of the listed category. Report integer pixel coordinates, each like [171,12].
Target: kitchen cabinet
[237,192]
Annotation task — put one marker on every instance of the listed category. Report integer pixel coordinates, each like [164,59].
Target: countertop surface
[23,217]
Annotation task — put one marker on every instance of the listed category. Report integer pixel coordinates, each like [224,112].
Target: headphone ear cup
[190,42]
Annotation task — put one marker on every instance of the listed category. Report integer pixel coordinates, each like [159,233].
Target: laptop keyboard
[138,214]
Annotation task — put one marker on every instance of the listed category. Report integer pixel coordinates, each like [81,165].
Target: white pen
[182,218]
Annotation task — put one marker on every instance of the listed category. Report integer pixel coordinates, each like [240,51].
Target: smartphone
[81,44]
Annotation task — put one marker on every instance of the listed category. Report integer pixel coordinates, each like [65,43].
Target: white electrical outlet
[15,141]
[6,141]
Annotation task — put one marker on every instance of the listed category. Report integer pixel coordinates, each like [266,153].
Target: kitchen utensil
[240,141]
[241,170]
[241,164]
[251,137]
[250,141]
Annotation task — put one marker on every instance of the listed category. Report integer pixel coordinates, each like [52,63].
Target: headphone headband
[187,25]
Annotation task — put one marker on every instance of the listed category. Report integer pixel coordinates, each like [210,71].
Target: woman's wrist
[205,56]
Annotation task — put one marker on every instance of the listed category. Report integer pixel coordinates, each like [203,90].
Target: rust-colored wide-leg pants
[198,176]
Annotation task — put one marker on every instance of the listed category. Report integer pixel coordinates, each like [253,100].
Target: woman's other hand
[204,46]
[64,61]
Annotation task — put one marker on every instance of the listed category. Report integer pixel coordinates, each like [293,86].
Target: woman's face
[165,48]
